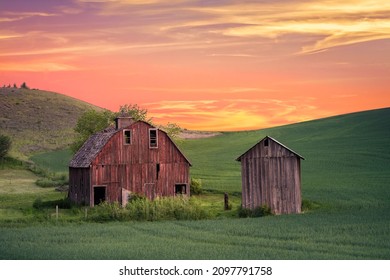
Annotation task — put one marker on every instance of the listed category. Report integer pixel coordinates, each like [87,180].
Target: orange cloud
[340,23]
[17,16]
[233,114]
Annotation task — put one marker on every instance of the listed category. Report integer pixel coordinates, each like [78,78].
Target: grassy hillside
[345,156]
[339,152]
[345,172]
[38,120]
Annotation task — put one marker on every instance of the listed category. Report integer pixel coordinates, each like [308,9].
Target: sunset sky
[204,64]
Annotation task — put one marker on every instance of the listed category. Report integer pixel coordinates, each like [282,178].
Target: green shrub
[308,205]
[259,211]
[38,170]
[63,203]
[244,212]
[142,209]
[52,180]
[196,186]
[138,209]
[135,196]
[106,211]
[12,163]
[45,183]
[38,203]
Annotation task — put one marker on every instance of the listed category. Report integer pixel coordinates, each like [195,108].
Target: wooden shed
[132,157]
[271,175]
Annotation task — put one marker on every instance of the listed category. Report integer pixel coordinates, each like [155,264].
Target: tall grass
[164,208]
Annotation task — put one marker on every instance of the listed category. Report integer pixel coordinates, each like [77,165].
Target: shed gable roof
[95,143]
[272,139]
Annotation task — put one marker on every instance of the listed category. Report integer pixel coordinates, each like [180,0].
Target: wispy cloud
[36,67]
[9,36]
[344,95]
[125,2]
[43,51]
[231,114]
[17,16]
[226,90]
[338,22]
[162,25]
[232,55]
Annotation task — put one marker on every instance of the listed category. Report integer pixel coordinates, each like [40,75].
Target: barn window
[153,141]
[127,136]
[266,142]
[180,188]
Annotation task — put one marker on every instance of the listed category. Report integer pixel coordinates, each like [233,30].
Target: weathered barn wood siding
[79,179]
[271,176]
[136,167]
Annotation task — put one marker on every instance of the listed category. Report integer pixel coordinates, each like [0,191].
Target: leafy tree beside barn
[90,122]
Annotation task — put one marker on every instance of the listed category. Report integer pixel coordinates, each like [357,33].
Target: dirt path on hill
[190,134]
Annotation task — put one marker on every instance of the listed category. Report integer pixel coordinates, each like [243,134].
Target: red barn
[132,157]
[271,175]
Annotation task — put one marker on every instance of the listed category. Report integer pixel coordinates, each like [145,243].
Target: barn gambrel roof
[276,141]
[95,143]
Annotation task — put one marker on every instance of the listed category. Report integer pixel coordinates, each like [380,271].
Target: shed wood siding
[271,176]
[137,168]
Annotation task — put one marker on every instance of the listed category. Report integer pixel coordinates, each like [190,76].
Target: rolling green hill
[346,167]
[347,158]
[38,120]
[345,174]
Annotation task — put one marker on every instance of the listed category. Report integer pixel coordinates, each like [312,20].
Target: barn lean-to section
[133,157]
[271,175]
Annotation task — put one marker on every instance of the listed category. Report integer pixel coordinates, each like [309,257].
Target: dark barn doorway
[99,195]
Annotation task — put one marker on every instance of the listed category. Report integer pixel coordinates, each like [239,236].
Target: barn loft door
[99,194]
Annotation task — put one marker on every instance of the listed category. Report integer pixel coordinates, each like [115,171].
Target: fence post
[226,199]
